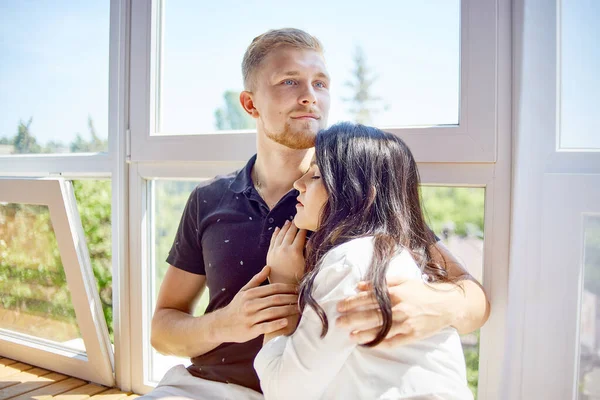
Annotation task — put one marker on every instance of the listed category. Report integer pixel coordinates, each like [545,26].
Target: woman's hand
[286,254]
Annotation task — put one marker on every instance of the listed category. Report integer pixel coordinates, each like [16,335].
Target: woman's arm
[420,309]
[303,365]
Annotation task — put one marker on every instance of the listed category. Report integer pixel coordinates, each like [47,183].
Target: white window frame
[96,363]
[552,189]
[474,139]
[110,165]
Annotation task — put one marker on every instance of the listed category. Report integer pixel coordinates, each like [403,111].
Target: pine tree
[363,105]
[25,142]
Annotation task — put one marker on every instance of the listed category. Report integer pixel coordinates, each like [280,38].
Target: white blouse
[304,366]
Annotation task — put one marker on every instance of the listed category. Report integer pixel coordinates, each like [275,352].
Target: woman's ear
[247,103]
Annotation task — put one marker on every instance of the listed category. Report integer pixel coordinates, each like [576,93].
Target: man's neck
[277,168]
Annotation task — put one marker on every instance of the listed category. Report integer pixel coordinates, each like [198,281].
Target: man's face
[291,97]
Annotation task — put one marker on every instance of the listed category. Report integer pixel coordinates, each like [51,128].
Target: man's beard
[301,139]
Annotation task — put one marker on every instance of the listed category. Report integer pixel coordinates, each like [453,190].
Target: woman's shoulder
[356,251]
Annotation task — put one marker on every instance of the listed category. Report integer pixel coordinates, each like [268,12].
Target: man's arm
[419,309]
[254,310]
[469,308]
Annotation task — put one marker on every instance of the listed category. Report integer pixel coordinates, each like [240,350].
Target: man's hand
[419,311]
[257,310]
[286,254]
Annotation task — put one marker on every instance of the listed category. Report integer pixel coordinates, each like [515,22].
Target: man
[224,235]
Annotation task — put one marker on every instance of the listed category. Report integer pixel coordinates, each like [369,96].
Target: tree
[80,145]
[25,142]
[232,116]
[459,210]
[363,103]
[55,146]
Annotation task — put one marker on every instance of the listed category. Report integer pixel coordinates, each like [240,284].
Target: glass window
[456,216]
[54,76]
[579,80]
[169,199]
[404,72]
[589,329]
[34,296]
[94,206]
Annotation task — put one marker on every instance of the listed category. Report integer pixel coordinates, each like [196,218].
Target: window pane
[579,79]
[94,206]
[54,76]
[407,52]
[169,199]
[589,362]
[456,216]
[34,296]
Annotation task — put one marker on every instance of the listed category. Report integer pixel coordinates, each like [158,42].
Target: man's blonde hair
[263,44]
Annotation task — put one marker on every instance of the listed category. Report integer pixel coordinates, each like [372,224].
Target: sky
[54,61]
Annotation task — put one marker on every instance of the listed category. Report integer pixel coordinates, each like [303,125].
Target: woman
[361,199]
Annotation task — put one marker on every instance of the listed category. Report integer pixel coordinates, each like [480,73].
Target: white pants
[179,384]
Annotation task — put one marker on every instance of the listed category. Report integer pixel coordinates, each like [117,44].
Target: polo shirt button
[271,220]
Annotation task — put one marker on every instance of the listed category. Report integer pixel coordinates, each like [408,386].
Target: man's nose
[308,97]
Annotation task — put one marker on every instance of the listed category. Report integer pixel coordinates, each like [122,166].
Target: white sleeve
[302,365]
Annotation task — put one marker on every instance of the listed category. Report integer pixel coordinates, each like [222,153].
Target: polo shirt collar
[243,180]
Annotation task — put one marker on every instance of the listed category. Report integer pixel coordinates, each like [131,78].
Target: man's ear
[247,103]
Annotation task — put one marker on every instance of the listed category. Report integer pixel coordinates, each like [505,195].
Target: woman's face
[311,199]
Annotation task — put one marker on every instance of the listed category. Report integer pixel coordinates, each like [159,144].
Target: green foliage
[457,210]
[32,276]
[30,262]
[232,116]
[80,145]
[24,142]
[94,205]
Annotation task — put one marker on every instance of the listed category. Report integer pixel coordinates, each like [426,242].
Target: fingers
[300,239]
[398,331]
[269,327]
[270,301]
[290,235]
[273,239]
[362,299]
[360,320]
[257,279]
[282,233]
[273,288]
[274,313]
[363,337]
[391,281]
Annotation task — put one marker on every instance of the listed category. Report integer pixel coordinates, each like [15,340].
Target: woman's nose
[299,185]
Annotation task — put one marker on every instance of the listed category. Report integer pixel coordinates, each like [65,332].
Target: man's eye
[289,82]
[320,84]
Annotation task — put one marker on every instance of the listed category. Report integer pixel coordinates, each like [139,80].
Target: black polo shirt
[224,234]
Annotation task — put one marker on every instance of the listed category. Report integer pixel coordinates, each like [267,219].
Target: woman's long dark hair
[372,181]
